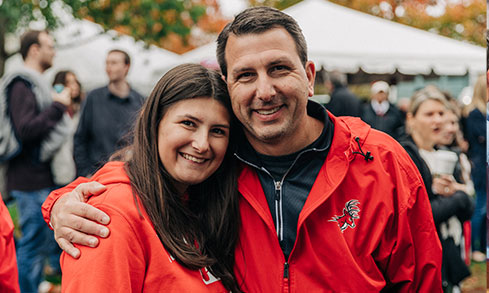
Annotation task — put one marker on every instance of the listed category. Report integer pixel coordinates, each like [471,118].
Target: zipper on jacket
[286,270]
[278,190]
[278,210]
[286,288]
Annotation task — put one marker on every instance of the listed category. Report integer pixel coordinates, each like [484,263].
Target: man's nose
[265,89]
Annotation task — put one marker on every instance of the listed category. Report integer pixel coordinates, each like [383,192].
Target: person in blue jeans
[476,136]
[40,122]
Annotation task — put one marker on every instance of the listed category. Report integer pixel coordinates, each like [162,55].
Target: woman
[173,203]
[476,135]
[68,79]
[424,121]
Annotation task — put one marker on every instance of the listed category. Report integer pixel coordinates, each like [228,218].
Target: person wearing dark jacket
[380,113]
[108,114]
[37,113]
[476,136]
[449,205]
[342,102]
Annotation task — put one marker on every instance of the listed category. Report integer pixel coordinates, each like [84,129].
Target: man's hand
[72,219]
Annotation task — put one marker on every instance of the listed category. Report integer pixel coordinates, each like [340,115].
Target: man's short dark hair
[127,59]
[256,20]
[28,39]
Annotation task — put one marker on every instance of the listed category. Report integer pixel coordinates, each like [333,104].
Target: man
[380,113]
[327,203]
[107,116]
[343,102]
[38,117]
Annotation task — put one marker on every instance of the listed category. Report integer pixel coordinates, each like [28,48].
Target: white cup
[445,162]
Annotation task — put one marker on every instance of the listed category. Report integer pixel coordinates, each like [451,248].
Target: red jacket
[9,280]
[384,237]
[365,224]
[133,258]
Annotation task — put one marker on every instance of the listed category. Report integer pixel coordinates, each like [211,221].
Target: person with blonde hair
[450,205]
[476,136]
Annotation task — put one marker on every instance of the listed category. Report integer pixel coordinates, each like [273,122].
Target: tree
[461,20]
[154,22]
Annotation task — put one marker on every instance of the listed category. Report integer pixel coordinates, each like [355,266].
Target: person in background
[380,113]
[476,136]
[68,79]
[9,280]
[343,102]
[41,123]
[108,114]
[450,205]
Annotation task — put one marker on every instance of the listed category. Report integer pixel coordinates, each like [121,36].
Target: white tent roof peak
[342,38]
[348,40]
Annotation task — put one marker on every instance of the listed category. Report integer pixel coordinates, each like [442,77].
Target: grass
[477,282]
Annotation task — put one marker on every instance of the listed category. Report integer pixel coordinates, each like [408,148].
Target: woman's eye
[188,123]
[219,131]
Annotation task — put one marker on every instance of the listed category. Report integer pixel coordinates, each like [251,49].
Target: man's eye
[245,75]
[279,68]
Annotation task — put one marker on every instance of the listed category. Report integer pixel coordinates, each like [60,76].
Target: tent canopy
[347,40]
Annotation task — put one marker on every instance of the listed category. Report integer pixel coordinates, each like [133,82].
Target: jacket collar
[245,152]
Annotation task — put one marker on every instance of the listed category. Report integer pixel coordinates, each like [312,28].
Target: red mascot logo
[350,213]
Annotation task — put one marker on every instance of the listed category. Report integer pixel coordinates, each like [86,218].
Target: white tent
[345,39]
[83,47]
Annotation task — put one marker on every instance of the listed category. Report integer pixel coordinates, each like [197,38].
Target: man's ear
[311,76]
[223,77]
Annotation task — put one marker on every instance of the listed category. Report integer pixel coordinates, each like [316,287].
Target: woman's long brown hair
[203,230]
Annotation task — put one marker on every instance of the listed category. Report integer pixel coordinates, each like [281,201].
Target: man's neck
[307,134]
[34,65]
[119,88]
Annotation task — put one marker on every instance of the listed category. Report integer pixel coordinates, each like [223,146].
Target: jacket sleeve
[54,195]
[417,254]
[459,204]
[116,265]
[82,139]
[8,268]
[410,253]
[30,125]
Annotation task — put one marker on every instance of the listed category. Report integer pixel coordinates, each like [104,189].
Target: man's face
[268,85]
[115,67]
[379,96]
[46,50]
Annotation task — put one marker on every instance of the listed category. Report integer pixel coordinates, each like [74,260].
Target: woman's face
[72,83]
[450,128]
[193,137]
[428,122]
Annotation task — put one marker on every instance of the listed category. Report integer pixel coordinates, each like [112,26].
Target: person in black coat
[343,102]
[380,113]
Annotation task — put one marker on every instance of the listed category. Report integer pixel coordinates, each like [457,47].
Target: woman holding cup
[424,124]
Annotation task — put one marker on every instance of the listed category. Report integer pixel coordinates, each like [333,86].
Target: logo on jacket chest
[350,213]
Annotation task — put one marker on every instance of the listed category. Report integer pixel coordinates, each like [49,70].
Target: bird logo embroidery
[350,213]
